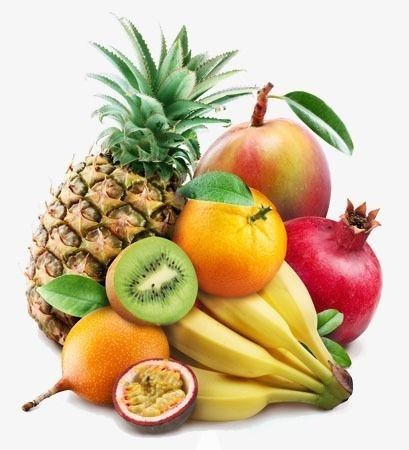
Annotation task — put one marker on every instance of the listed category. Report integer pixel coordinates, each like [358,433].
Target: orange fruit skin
[232,256]
[100,347]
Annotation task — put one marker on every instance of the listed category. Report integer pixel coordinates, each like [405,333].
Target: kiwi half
[152,280]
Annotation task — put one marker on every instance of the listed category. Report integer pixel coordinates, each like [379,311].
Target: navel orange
[235,249]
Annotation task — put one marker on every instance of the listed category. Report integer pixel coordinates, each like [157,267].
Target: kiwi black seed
[153,281]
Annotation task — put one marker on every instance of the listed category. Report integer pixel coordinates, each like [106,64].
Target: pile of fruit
[178,299]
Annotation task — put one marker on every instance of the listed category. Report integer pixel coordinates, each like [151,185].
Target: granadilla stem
[260,109]
[57,388]
[261,214]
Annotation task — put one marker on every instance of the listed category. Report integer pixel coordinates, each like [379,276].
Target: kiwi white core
[158,280]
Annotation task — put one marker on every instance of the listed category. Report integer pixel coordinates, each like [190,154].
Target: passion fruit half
[156,395]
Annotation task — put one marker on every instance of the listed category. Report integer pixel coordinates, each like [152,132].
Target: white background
[352,54]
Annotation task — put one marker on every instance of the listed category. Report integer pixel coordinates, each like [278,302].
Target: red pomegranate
[338,266]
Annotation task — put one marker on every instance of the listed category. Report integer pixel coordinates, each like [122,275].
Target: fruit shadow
[263,418]
[355,349]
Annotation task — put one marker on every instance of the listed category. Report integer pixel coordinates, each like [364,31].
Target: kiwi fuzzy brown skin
[113,298]
[163,425]
[169,246]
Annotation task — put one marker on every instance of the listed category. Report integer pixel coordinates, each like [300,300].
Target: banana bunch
[250,351]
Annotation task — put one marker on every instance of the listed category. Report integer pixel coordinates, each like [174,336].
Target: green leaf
[143,84]
[142,49]
[74,294]
[196,61]
[177,86]
[119,63]
[210,82]
[163,48]
[173,60]
[218,187]
[182,108]
[112,111]
[226,95]
[213,65]
[328,321]
[116,102]
[198,122]
[123,91]
[150,105]
[339,354]
[318,116]
[183,39]
[157,122]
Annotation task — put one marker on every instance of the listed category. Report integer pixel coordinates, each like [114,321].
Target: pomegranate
[279,157]
[338,267]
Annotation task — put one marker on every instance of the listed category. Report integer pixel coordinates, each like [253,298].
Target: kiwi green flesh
[155,281]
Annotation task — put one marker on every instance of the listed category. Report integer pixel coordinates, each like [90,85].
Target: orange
[236,250]
[100,347]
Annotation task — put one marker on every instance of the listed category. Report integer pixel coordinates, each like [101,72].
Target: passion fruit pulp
[156,395]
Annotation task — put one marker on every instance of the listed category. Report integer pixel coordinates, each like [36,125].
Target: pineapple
[128,190]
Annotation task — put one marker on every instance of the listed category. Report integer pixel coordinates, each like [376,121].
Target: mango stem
[260,108]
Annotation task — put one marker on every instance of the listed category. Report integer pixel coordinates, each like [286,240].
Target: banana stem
[288,396]
[286,371]
[321,371]
[315,344]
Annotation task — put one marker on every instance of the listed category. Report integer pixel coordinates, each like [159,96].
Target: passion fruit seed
[156,395]
[153,391]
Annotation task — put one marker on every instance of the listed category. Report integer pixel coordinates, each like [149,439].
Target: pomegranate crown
[357,219]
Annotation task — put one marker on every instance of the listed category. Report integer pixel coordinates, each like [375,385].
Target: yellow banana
[287,294]
[271,380]
[216,346]
[287,357]
[222,397]
[255,319]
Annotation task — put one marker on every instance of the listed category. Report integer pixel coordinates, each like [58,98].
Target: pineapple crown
[158,107]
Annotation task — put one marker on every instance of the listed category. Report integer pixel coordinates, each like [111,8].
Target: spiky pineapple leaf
[158,107]
[114,101]
[177,86]
[149,105]
[196,61]
[112,111]
[157,122]
[184,42]
[198,122]
[210,82]
[108,81]
[182,108]
[143,84]
[163,48]
[172,61]
[119,63]
[124,92]
[214,65]
[227,94]
[108,132]
[142,49]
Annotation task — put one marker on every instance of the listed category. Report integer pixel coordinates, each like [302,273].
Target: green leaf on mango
[321,119]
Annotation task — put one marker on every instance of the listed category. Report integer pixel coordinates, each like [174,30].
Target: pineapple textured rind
[98,210]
